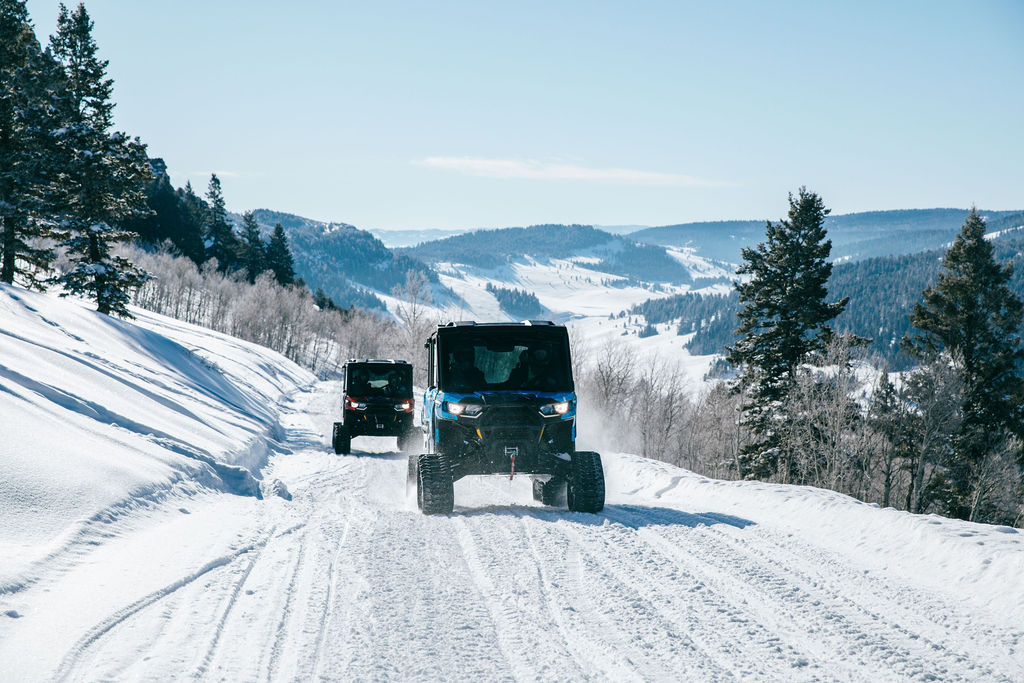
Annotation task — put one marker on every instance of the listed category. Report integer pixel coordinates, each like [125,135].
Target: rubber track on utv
[585,490]
[341,440]
[435,490]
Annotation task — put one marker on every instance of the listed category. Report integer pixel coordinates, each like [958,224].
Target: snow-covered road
[347,581]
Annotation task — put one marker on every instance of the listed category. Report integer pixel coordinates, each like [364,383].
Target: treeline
[644,263]
[854,236]
[333,259]
[308,329]
[808,404]
[69,182]
[71,185]
[852,430]
[518,303]
[202,230]
[710,317]
[85,211]
[882,292]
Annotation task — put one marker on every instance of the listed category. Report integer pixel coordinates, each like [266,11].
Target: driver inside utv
[358,385]
[533,370]
[464,372]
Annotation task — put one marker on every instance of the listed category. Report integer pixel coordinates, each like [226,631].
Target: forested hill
[854,236]
[612,254]
[882,291]
[343,260]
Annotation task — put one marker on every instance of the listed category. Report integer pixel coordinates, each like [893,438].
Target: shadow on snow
[630,516]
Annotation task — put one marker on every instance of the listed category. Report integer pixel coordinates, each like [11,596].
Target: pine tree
[783,321]
[254,251]
[29,163]
[972,319]
[163,223]
[193,210]
[106,174]
[887,420]
[279,257]
[221,241]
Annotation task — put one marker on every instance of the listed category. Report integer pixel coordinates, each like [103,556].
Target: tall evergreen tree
[193,212]
[783,321]
[164,222]
[29,93]
[887,420]
[106,173]
[279,257]
[221,241]
[254,251]
[973,319]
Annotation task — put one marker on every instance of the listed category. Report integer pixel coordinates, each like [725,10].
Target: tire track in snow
[586,656]
[867,605]
[96,633]
[504,618]
[332,591]
[662,632]
[552,578]
[933,620]
[414,611]
[211,649]
[286,610]
[859,641]
[341,475]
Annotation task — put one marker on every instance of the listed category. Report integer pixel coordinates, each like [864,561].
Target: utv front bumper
[507,435]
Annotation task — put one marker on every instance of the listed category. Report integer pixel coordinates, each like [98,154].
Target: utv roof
[377,360]
[473,323]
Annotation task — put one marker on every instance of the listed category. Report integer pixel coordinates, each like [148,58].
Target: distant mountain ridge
[882,292]
[602,251]
[355,268]
[854,236]
[347,263]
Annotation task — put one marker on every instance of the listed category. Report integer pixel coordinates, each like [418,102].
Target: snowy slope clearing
[585,300]
[680,578]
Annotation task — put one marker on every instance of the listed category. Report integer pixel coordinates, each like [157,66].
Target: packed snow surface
[128,552]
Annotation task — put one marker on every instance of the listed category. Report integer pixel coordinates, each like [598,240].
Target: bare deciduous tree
[416,318]
[285,319]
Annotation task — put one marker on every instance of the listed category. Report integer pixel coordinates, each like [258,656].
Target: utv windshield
[379,379]
[503,359]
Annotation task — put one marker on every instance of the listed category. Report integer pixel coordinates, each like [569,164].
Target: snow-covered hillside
[581,275]
[101,416]
[128,552]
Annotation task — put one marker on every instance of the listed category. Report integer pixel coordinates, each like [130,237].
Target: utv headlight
[549,409]
[404,407]
[464,409]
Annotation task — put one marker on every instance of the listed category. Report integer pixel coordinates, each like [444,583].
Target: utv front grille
[499,417]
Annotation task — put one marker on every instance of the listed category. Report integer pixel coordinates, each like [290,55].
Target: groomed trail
[348,581]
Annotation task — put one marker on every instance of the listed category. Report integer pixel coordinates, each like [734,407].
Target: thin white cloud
[220,174]
[538,170]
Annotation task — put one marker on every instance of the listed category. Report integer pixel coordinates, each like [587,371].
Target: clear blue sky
[479,114]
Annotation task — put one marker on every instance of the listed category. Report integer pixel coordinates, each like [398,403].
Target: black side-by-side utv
[377,400]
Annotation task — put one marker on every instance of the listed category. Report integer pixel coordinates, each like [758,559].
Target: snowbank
[982,563]
[101,415]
